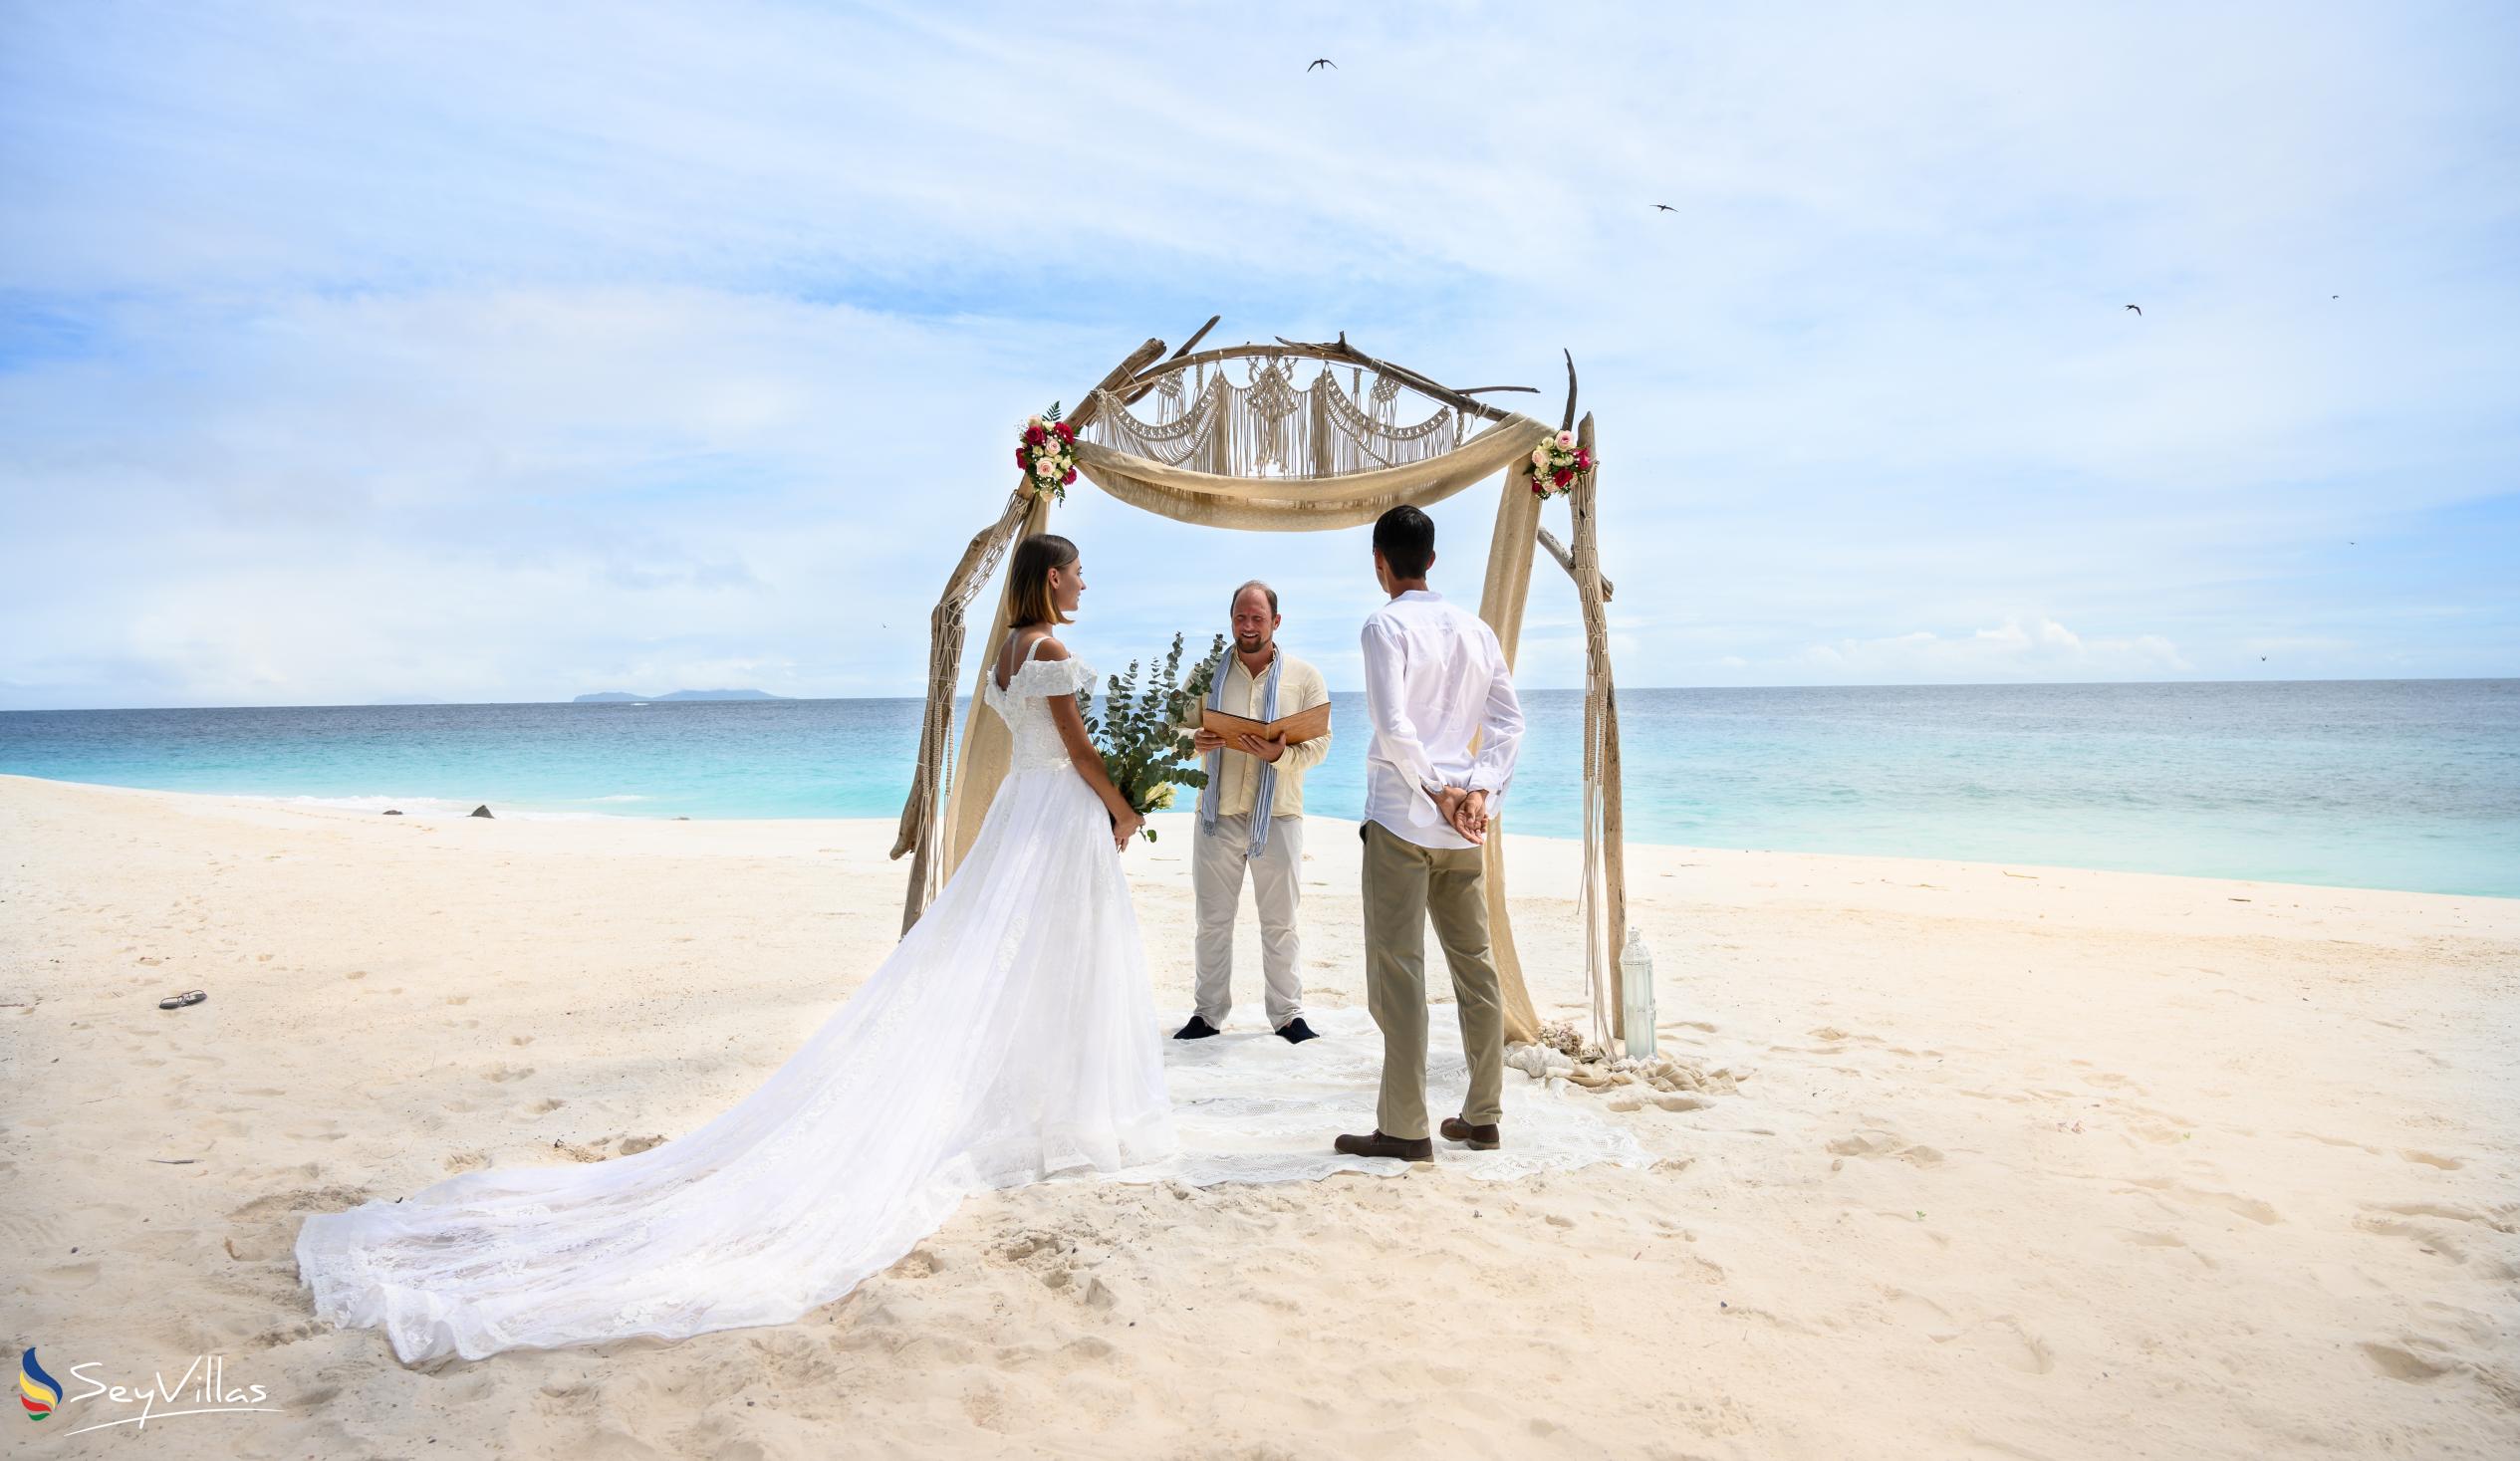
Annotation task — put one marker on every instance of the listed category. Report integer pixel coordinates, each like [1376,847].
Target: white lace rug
[1251,1107]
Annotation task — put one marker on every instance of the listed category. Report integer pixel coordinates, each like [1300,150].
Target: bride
[1009,1035]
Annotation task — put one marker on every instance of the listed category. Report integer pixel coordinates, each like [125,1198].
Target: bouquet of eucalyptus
[1140,733]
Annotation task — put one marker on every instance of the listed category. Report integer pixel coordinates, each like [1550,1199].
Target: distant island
[624,697]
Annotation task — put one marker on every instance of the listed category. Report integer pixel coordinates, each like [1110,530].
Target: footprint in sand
[2248,1207]
[1915,1311]
[2502,1220]
[2003,1339]
[2403,1365]
[1880,1142]
[2426,1159]
[507,1073]
[2337,1142]
[79,1275]
[2142,1239]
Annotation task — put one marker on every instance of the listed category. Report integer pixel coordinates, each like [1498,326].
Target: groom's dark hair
[1405,538]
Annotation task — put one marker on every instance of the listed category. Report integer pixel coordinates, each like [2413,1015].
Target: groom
[1436,685]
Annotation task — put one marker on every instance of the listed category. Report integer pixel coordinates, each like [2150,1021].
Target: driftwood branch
[1492,389]
[1568,424]
[1348,355]
[1566,560]
[1191,343]
[1338,351]
[1138,360]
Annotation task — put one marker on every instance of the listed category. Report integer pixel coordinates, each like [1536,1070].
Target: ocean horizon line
[768,697]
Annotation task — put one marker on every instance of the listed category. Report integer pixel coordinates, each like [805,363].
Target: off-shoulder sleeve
[1052,677]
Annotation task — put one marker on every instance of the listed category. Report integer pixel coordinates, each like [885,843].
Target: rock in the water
[682,819]
[481,811]
[390,811]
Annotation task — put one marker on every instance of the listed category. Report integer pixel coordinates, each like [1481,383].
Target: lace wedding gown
[1009,1035]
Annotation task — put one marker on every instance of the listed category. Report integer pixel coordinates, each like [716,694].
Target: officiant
[1252,819]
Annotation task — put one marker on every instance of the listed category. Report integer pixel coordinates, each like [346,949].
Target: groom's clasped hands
[1465,810]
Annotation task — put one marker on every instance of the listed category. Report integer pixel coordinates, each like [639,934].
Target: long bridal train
[1011,1034]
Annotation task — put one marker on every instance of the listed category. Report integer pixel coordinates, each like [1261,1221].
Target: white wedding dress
[1009,1035]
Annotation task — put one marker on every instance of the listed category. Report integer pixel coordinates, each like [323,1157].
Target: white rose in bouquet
[1566,441]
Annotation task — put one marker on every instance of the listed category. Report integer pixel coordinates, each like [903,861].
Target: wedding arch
[1273,452]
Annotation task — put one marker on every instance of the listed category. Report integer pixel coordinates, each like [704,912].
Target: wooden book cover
[1303,725]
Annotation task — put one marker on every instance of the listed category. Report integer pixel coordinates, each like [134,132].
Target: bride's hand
[1125,824]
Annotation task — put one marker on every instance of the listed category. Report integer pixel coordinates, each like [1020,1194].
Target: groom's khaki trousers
[1404,886]
[1217,866]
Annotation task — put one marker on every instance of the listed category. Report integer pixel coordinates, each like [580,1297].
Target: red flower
[1537,490]
[1032,436]
[1023,458]
[1584,462]
[1065,431]
[1562,476]
[1068,476]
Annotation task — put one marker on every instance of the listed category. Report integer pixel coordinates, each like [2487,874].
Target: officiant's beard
[1256,645]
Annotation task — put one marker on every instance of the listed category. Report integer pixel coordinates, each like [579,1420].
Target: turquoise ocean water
[2400,783]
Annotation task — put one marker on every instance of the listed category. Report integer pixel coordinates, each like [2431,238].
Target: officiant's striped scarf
[1264,795]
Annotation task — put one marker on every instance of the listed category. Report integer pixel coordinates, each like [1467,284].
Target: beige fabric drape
[1305,504]
[1267,504]
[1501,602]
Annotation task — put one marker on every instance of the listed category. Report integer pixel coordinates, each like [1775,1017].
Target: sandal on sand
[178,1001]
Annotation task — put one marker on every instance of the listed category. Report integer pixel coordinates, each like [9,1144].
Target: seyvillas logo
[202,1389]
[37,1391]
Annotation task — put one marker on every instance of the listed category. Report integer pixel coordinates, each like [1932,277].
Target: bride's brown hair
[1029,577]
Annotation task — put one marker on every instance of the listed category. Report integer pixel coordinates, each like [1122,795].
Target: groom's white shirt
[1434,678]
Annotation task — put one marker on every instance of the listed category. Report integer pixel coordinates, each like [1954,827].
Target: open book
[1303,725]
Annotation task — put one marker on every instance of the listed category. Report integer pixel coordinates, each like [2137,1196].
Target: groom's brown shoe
[1478,1139]
[1377,1144]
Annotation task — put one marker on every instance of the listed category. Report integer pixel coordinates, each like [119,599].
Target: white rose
[1540,456]
[1032,420]
[1044,467]
[1566,441]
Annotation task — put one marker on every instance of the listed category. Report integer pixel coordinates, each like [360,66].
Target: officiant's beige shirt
[1300,687]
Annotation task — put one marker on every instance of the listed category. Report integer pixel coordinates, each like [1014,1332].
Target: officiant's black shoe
[1378,1144]
[1198,1028]
[1478,1139]
[1296,1032]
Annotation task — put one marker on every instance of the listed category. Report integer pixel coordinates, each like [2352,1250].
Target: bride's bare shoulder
[1049,647]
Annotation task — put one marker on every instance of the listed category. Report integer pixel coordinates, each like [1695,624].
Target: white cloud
[502,353]
[2041,649]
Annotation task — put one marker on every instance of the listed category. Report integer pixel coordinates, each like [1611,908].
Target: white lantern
[1635,992]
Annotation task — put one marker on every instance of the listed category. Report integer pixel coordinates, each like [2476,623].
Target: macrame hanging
[1273,427]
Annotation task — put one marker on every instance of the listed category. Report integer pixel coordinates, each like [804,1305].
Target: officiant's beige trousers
[1217,866]
[1404,886]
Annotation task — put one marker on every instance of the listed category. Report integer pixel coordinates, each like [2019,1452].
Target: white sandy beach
[2022,1162]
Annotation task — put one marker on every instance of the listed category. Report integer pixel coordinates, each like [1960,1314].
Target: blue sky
[466,353]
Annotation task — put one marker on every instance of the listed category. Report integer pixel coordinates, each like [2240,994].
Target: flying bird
[1668,208]
[1325,61]
[2138,308]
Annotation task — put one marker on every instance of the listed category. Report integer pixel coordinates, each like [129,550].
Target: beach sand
[2023,1162]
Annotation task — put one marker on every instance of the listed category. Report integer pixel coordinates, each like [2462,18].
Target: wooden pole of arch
[939,818]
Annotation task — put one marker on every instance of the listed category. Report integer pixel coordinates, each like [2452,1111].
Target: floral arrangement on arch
[1555,464]
[1048,453]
